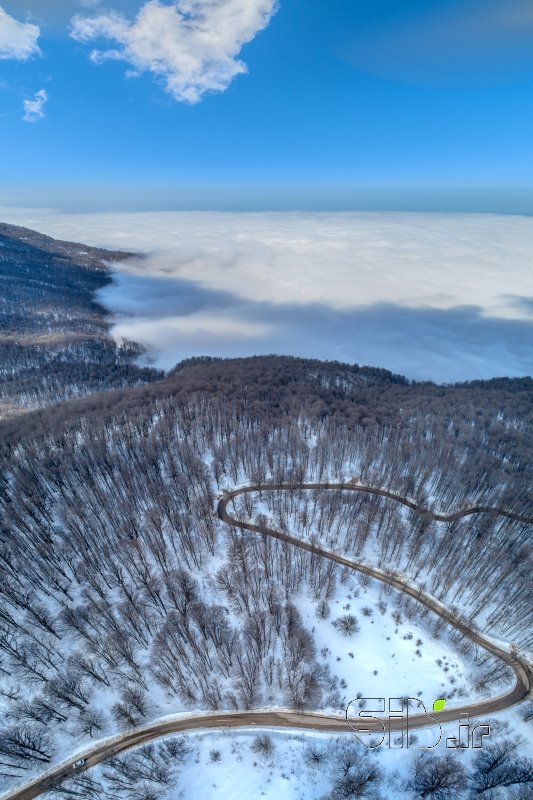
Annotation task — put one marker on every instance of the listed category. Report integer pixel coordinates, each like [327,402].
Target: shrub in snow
[347,624]
[263,745]
[314,756]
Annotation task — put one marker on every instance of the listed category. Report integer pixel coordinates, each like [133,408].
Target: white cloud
[193,44]
[34,108]
[18,40]
[434,296]
[192,331]
[343,260]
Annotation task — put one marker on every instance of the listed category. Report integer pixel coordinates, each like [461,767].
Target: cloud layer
[436,296]
[18,40]
[34,108]
[193,44]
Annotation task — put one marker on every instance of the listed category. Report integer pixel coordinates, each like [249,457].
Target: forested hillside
[54,336]
[136,593]
[123,596]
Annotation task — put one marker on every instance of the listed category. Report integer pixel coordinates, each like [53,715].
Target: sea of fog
[441,297]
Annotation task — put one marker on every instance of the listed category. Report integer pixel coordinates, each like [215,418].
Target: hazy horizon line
[510,200]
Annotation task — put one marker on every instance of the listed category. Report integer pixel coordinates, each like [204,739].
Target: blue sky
[344,104]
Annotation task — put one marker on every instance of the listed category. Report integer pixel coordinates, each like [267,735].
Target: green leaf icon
[438,705]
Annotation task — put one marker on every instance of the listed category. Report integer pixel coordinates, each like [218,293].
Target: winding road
[522,667]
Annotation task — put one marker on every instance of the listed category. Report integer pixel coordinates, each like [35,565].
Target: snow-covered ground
[226,765]
[385,658]
[388,655]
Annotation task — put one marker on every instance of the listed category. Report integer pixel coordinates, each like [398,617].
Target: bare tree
[437,778]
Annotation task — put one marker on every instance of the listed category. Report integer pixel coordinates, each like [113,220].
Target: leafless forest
[122,595]
[54,336]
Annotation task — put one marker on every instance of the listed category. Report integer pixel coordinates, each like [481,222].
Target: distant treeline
[282,386]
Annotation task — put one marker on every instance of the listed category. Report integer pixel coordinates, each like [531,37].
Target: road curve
[353,486]
[522,668]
